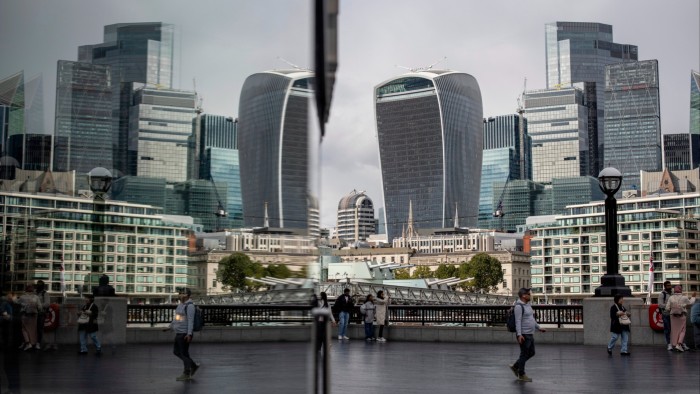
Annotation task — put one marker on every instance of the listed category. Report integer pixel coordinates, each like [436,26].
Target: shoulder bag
[624,319]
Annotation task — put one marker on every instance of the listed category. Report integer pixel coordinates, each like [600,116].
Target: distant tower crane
[220,211]
[499,213]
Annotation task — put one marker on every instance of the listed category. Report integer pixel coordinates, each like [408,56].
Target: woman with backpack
[30,304]
[677,306]
[367,309]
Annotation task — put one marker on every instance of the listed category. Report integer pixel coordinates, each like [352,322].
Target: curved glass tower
[274,150]
[430,131]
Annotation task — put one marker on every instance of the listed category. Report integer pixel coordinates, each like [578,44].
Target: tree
[445,271]
[485,270]
[233,270]
[402,273]
[280,271]
[423,272]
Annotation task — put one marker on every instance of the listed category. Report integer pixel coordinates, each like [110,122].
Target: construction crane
[426,68]
[499,213]
[220,211]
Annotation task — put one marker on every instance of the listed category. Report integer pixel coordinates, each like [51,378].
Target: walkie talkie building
[273,142]
[430,132]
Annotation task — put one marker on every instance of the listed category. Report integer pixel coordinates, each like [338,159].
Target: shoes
[81,353]
[524,378]
[344,337]
[28,347]
[368,339]
[679,348]
[685,347]
[98,352]
[669,347]
[194,370]
[610,351]
[515,370]
[21,347]
[184,376]
[625,354]
[37,346]
[381,339]
[340,337]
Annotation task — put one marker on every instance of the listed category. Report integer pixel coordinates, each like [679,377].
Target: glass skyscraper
[11,108]
[83,117]
[680,151]
[222,167]
[159,130]
[210,131]
[557,121]
[138,54]
[632,120]
[579,52]
[430,132]
[274,148]
[694,102]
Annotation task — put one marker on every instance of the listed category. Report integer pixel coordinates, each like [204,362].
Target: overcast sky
[220,43]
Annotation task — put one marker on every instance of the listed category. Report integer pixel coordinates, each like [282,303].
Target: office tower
[557,122]
[83,117]
[520,198]
[138,54]
[681,151]
[356,220]
[381,221]
[632,120]
[159,129]
[274,148]
[221,167]
[579,52]
[430,132]
[570,191]
[694,102]
[506,157]
[11,108]
[210,131]
[32,151]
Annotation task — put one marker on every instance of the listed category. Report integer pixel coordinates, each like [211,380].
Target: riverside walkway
[357,367]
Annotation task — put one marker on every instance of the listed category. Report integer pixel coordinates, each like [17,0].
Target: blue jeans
[667,327]
[625,339]
[343,320]
[369,330]
[83,340]
[181,349]
[527,351]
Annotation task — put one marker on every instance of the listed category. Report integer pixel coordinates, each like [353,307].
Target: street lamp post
[612,283]
[100,180]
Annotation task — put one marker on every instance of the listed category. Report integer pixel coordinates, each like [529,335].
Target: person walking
[183,325]
[677,306]
[665,294]
[382,311]
[320,324]
[344,305]
[30,308]
[43,307]
[368,309]
[525,326]
[87,325]
[617,328]
[695,319]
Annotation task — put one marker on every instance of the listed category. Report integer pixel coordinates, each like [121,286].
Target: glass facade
[570,191]
[497,168]
[223,167]
[274,148]
[11,108]
[680,151]
[579,52]
[430,132]
[138,53]
[694,102]
[214,131]
[557,123]
[160,127]
[83,117]
[632,120]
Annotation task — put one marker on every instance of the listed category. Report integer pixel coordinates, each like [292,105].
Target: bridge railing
[249,315]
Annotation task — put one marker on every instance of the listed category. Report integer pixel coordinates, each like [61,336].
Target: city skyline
[242,38]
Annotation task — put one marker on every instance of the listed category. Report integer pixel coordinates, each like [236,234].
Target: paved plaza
[357,367]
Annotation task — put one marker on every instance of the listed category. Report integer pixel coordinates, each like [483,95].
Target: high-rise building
[519,199]
[222,168]
[694,102]
[210,131]
[32,151]
[579,52]
[577,190]
[557,121]
[11,108]
[138,54]
[356,220]
[274,148]
[632,120]
[681,151]
[430,132]
[381,221]
[83,117]
[159,130]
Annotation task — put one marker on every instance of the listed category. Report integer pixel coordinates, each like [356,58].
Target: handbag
[84,318]
[624,319]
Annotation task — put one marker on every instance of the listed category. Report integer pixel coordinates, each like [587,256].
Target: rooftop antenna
[426,68]
[294,66]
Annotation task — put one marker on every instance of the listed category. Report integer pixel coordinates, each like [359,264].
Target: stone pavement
[357,367]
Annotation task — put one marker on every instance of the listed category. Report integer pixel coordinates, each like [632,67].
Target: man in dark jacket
[104,289]
[344,305]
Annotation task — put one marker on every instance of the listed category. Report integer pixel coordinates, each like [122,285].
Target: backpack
[198,319]
[510,319]
[674,306]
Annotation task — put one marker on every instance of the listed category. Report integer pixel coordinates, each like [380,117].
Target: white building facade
[356,220]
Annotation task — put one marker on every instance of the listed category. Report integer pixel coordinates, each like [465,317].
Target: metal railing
[250,315]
